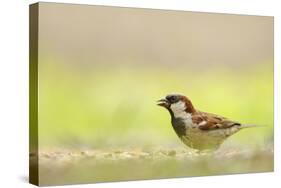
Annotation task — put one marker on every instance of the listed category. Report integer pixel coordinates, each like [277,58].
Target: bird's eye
[172,99]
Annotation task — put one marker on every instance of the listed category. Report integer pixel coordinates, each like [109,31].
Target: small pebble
[108,155]
[172,153]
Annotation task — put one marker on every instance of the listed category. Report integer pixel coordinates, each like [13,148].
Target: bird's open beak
[163,102]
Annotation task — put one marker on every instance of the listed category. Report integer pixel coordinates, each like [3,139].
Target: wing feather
[207,121]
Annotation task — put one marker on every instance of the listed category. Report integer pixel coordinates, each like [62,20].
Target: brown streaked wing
[208,121]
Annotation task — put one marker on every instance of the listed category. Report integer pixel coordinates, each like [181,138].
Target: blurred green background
[116,106]
[101,70]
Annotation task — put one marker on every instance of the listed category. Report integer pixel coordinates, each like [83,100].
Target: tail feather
[250,125]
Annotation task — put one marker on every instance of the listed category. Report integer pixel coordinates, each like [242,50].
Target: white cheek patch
[179,109]
[179,106]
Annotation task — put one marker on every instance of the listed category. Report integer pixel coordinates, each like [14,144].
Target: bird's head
[176,104]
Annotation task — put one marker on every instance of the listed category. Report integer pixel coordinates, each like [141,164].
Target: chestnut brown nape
[189,106]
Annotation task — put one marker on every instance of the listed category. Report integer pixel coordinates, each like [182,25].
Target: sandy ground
[68,166]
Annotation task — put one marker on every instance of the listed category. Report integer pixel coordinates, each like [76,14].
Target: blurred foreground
[61,166]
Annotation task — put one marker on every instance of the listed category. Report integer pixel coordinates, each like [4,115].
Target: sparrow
[198,130]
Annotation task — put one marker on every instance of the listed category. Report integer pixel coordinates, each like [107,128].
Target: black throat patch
[179,126]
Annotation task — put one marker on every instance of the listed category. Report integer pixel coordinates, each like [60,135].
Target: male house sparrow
[198,130]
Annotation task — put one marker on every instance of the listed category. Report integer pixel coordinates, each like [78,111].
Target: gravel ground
[65,166]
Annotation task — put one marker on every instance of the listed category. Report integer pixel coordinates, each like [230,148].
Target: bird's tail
[251,125]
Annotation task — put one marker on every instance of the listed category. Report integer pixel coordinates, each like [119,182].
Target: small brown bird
[198,130]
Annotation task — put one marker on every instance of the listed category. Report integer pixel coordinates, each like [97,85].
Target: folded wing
[207,121]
